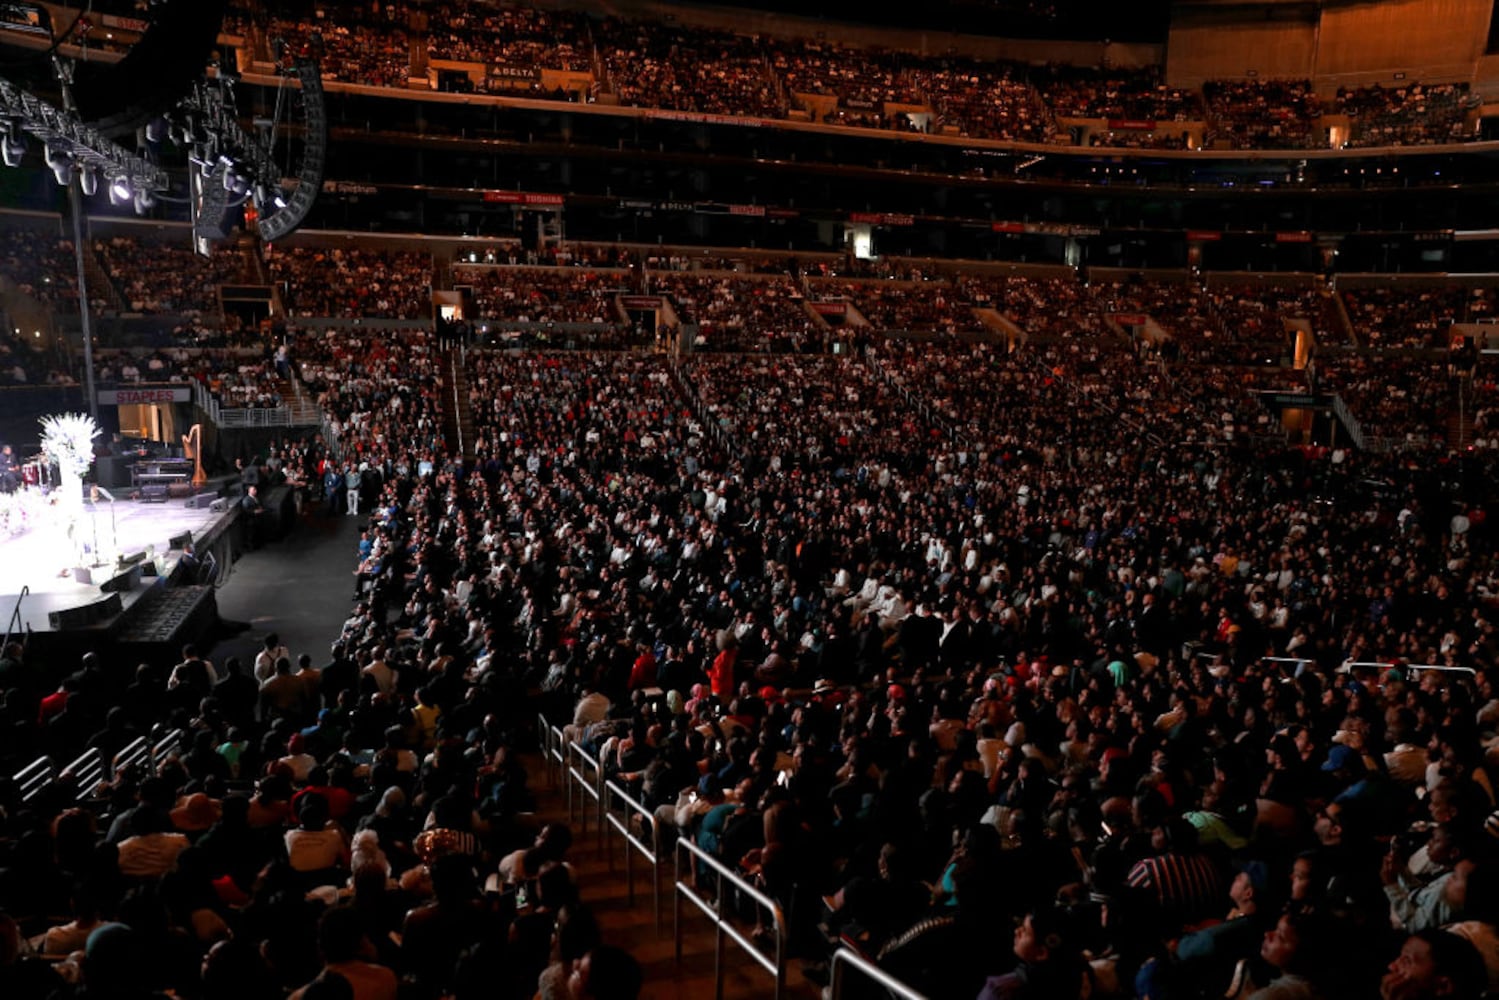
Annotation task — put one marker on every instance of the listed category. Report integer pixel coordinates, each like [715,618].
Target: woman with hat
[195,814]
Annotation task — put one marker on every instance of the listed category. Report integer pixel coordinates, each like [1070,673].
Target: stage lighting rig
[232,166]
[71,146]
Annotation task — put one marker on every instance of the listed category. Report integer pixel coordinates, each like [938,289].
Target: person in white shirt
[592,707]
[265,660]
[149,852]
[385,676]
[298,759]
[317,844]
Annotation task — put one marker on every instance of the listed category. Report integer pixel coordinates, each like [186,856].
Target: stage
[108,602]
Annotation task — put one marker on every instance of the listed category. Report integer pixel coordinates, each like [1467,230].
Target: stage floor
[40,557]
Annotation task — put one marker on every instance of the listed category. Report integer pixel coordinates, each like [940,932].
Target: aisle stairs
[623,901]
[458,415]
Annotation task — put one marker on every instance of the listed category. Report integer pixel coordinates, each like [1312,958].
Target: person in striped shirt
[1185,884]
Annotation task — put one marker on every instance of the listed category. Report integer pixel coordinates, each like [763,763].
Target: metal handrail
[35,778]
[1441,668]
[86,772]
[1347,668]
[1381,665]
[133,753]
[544,736]
[651,852]
[167,744]
[713,909]
[453,367]
[1295,662]
[559,752]
[16,619]
[586,786]
[844,958]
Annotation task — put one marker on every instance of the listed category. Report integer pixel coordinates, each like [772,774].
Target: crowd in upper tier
[166,277]
[668,65]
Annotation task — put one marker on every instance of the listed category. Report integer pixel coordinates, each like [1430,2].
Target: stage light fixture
[88,181]
[235,181]
[143,201]
[12,147]
[119,191]
[60,163]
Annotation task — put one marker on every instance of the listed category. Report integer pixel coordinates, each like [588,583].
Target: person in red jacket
[721,672]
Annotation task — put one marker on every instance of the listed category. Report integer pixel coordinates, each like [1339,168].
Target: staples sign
[123,397]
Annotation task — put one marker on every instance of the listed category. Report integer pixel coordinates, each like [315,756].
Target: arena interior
[972,500]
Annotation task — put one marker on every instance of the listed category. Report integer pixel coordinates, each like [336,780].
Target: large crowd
[523,37]
[353,283]
[167,278]
[353,43]
[653,66]
[40,264]
[544,295]
[741,314]
[928,641]
[671,66]
[1416,317]
[1412,114]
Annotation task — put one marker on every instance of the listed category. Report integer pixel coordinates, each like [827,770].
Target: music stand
[96,493]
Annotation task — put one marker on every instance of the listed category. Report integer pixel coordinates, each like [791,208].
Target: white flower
[68,439]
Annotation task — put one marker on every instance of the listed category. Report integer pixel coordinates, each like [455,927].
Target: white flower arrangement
[68,439]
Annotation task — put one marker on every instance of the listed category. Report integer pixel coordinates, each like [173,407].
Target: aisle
[300,587]
[602,883]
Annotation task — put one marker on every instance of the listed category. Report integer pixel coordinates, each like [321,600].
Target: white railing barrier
[136,752]
[544,738]
[559,752]
[1443,668]
[635,845]
[1287,664]
[846,958]
[35,778]
[722,927]
[1383,666]
[587,786]
[86,773]
[168,744]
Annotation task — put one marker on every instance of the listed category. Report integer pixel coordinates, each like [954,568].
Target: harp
[192,447]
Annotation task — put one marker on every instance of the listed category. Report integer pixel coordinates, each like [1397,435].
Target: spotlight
[156,130]
[119,190]
[143,201]
[60,163]
[12,148]
[235,182]
[88,181]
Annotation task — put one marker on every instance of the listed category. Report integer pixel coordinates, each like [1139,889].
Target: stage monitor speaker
[201,501]
[85,616]
[131,559]
[128,580]
[219,505]
[83,574]
[185,539]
